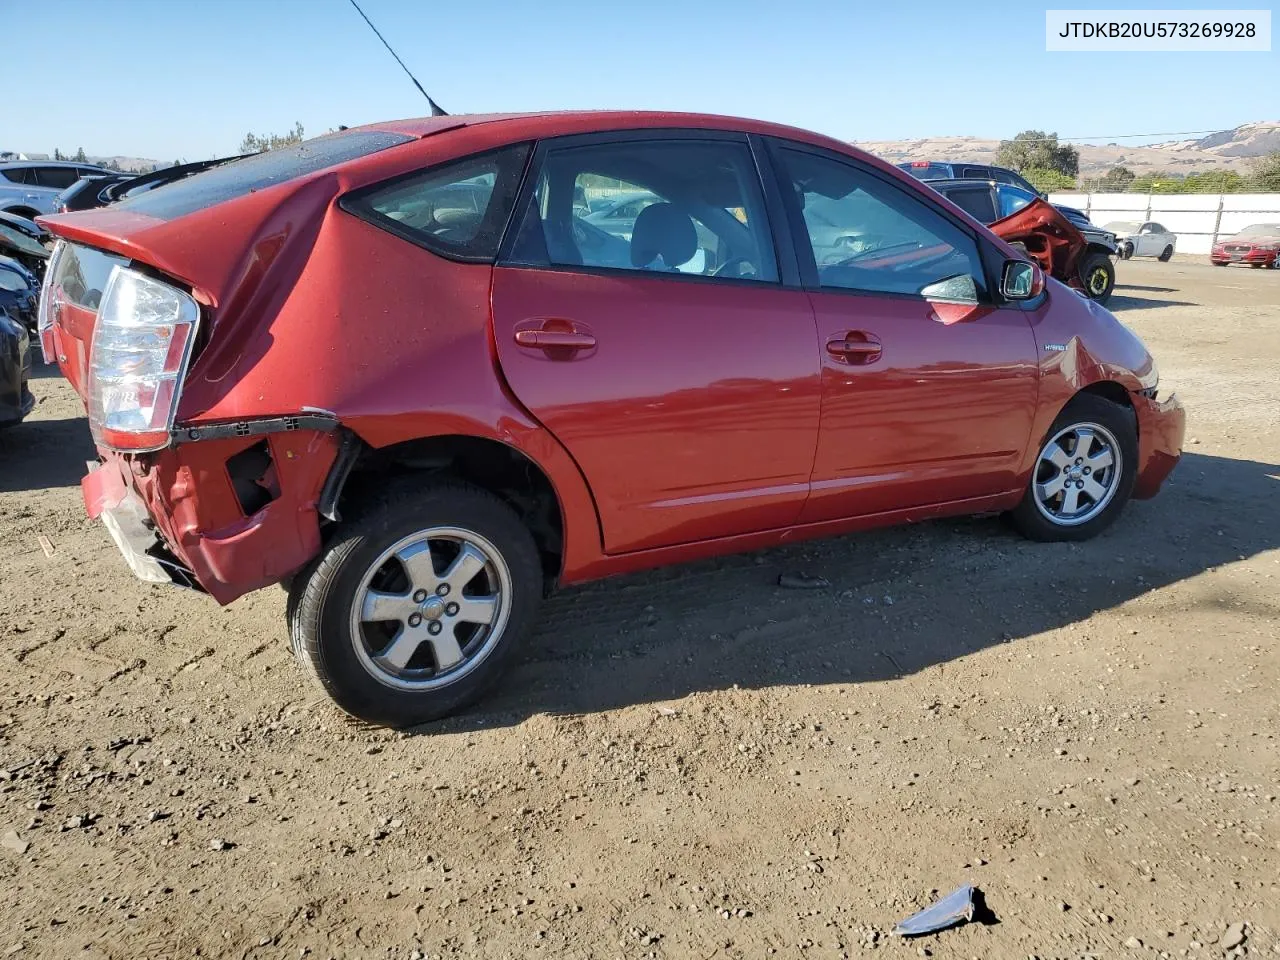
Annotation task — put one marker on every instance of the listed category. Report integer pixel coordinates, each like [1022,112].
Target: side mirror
[1021,280]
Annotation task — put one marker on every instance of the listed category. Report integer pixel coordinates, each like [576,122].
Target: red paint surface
[1048,236]
[675,418]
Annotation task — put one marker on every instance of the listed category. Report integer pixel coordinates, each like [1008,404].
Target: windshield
[1261,230]
[1122,226]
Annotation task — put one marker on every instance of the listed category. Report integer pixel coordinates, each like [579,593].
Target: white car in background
[1149,239]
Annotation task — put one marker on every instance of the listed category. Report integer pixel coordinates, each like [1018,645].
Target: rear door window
[974,173]
[975,201]
[686,206]
[57,177]
[459,209]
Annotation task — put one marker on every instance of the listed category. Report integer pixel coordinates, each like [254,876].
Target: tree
[1265,175]
[57,154]
[1116,180]
[1046,180]
[1035,149]
[80,157]
[252,143]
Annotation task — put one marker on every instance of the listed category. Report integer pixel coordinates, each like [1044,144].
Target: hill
[1224,150]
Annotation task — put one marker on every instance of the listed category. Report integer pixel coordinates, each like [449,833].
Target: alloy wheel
[430,608]
[1077,474]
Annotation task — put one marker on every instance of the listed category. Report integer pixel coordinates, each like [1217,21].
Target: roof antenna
[435,108]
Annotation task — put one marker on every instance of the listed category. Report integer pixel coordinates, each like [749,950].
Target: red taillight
[919,163]
[142,341]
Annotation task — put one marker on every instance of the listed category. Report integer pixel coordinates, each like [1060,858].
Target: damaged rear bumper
[180,515]
[1162,427]
[122,512]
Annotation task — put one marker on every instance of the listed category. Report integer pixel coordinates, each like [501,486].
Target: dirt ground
[695,762]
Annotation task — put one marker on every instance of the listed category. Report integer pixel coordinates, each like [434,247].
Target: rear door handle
[855,347]
[552,339]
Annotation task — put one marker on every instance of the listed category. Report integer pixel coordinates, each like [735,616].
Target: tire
[393,672]
[1223,264]
[1167,254]
[1098,274]
[1126,251]
[1112,426]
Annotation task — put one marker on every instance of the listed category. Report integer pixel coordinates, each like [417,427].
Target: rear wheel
[1098,274]
[1083,474]
[412,612]
[1167,254]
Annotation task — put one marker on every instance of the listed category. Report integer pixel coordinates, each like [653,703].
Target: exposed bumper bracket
[256,428]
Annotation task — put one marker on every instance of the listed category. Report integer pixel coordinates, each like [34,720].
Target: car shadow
[900,601]
[37,454]
[41,370]
[1144,289]
[1117,302]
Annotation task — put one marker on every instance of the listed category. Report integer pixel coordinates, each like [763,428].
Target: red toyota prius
[421,372]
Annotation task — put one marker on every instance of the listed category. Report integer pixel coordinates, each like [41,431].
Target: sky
[187,79]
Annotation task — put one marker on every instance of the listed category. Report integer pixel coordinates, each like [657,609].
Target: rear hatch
[227,236]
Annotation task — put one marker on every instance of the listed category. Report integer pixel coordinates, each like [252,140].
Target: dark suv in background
[933,170]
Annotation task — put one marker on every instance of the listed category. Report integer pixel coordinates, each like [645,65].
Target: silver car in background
[1142,239]
[28,188]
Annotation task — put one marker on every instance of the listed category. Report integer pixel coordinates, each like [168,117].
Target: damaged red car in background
[1079,256]
[397,370]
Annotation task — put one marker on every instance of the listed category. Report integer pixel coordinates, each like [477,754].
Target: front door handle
[552,339]
[855,347]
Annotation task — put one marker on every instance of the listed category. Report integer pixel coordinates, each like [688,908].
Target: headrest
[663,230]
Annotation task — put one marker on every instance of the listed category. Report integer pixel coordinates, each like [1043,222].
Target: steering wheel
[723,269]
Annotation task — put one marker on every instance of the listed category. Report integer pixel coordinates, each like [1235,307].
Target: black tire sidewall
[1121,421]
[1166,254]
[321,619]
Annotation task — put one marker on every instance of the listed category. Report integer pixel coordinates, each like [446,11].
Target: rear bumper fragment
[122,512]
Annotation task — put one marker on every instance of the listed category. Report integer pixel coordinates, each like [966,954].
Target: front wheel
[413,610]
[1084,472]
[1125,251]
[1167,254]
[1098,274]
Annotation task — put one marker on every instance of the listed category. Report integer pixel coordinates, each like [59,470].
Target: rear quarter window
[458,209]
[241,177]
[975,201]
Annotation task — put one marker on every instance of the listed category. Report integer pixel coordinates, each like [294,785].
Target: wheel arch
[547,499]
[23,211]
[1107,390]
